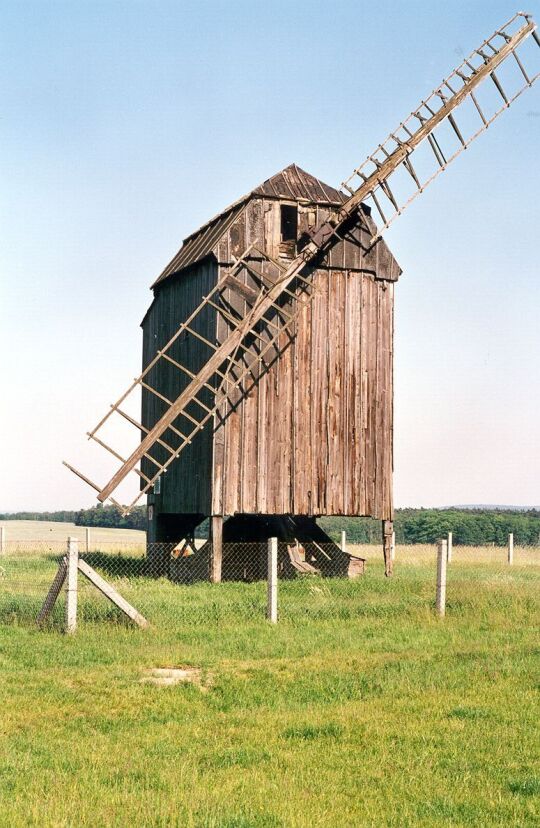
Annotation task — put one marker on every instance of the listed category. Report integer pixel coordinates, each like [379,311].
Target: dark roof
[296,184]
[292,183]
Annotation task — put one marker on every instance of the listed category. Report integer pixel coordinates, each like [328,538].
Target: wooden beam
[110,592]
[81,475]
[246,292]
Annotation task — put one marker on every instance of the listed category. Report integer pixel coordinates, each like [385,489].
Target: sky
[126,125]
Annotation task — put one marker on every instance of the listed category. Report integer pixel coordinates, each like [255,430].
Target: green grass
[360,708]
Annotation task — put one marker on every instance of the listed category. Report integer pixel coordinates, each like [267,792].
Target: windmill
[269,402]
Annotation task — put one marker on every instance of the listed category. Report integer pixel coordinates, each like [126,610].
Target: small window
[157,485]
[289,222]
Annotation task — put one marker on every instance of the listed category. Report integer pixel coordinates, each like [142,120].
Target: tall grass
[360,708]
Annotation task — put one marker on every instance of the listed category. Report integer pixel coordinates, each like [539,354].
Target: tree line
[470,527]
[105,516]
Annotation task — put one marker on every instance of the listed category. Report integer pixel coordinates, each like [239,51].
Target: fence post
[87,540]
[2,540]
[393,547]
[343,540]
[71,584]
[271,607]
[216,552]
[511,548]
[440,599]
[449,549]
[387,530]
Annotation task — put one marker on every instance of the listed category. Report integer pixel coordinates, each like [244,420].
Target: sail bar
[183,328]
[371,179]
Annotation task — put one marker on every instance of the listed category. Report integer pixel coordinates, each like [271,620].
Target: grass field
[360,708]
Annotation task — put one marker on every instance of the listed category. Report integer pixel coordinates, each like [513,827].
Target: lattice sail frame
[236,363]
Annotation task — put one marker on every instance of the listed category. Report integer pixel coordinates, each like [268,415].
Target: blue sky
[125,125]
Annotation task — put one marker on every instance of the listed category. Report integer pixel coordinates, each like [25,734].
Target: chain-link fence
[167,581]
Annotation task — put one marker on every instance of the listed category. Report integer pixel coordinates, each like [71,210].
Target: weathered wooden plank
[346,336]
[286,376]
[262,445]
[303,413]
[112,594]
[242,289]
[334,369]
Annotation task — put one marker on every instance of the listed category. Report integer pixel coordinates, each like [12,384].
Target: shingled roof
[297,184]
[292,183]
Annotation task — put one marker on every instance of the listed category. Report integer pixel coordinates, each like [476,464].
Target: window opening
[289,222]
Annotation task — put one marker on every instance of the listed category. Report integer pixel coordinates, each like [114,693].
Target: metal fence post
[271,608]
[2,540]
[87,539]
[343,540]
[71,584]
[450,548]
[440,599]
[511,548]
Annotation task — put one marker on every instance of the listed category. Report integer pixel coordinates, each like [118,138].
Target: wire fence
[316,580]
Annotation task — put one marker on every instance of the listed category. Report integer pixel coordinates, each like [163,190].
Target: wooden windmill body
[268,348]
[310,433]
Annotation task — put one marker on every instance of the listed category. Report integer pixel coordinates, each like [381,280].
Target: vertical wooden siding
[314,436]
[187,485]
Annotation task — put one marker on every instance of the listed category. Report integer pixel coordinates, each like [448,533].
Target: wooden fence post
[449,548]
[387,530]
[393,547]
[87,540]
[2,540]
[271,607]
[440,599]
[343,540]
[216,559]
[71,584]
[511,548]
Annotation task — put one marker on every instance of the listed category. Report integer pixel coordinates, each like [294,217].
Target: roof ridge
[292,183]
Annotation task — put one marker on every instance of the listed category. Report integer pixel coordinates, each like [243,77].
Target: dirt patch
[168,676]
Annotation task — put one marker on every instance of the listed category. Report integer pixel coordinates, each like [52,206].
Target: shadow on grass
[22,610]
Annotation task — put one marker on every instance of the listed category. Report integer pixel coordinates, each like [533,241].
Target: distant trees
[107,516]
[59,517]
[471,527]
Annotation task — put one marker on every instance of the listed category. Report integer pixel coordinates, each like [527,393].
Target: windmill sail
[388,181]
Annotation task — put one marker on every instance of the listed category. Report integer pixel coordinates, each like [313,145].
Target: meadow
[359,708]
[26,531]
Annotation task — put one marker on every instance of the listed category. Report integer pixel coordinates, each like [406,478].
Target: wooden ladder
[254,340]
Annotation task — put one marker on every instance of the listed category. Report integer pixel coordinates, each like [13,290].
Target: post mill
[267,395]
